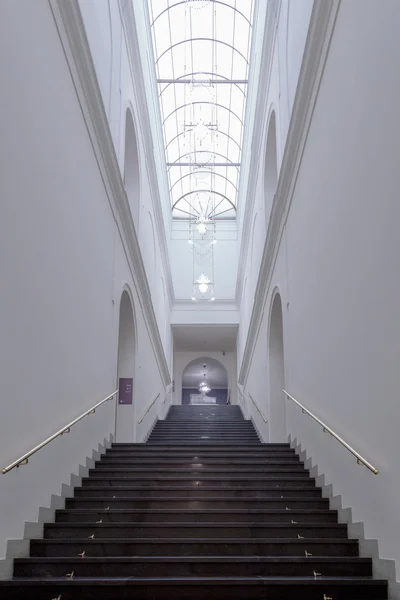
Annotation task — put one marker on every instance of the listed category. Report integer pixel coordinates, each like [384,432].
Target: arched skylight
[202,52]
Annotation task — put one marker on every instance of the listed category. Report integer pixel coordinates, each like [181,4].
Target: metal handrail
[149,407]
[23,460]
[360,459]
[258,408]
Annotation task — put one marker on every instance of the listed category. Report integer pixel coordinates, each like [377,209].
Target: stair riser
[195,548]
[195,503]
[193,517]
[278,482]
[193,531]
[182,463]
[258,448]
[205,456]
[285,469]
[84,568]
[199,492]
[185,430]
[207,423]
[129,590]
[202,437]
[178,430]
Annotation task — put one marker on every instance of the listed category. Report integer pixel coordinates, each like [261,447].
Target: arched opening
[205,370]
[125,417]
[271,168]
[131,169]
[277,407]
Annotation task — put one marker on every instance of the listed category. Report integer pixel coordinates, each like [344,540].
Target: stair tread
[303,511]
[188,524]
[200,540]
[352,580]
[203,559]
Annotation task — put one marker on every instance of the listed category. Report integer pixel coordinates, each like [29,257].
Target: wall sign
[125,390]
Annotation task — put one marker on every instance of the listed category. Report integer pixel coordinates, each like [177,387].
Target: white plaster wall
[182,359]
[114,68]
[63,269]
[337,271]
[97,17]
[289,37]
[225,262]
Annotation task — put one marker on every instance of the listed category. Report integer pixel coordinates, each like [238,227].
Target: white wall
[337,272]
[225,261]
[182,359]
[120,88]
[277,67]
[63,265]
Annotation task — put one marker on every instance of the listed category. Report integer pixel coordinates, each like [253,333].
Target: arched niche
[131,169]
[271,168]
[125,417]
[277,406]
[210,370]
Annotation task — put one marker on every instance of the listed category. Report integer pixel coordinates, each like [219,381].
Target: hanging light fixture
[203,283]
[204,388]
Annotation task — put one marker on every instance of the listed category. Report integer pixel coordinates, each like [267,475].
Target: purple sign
[125,390]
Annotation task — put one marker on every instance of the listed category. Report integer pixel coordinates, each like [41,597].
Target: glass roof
[201,50]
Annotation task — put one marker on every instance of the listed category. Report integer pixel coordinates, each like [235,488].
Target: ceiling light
[203,282]
[201,228]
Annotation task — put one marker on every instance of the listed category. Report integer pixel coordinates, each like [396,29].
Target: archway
[125,416]
[271,168]
[131,169]
[208,370]
[277,406]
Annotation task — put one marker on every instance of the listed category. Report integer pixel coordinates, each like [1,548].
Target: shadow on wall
[220,394]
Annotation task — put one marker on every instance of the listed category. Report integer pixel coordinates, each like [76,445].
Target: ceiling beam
[195,164]
[205,81]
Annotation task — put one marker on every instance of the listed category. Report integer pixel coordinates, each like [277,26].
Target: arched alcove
[125,417]
[131,169]
[207,369]
[271,168]
[277,406]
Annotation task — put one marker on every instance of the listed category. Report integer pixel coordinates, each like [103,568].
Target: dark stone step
[202,436]
[278,470]
[234,588]
[200,566]
[289,504]
[222,428]
[116,480]
[201,454]
[226,448]
[201,491]
[177,435]
[185,462]
[193,530]
[206,423]
[200,546]
[208,440]
[196,516]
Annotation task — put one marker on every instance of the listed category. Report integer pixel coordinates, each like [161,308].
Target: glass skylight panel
[201,50]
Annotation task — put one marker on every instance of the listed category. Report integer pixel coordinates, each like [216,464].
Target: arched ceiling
[214,373]
[201,50]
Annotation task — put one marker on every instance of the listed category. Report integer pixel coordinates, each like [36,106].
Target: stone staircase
[202,510]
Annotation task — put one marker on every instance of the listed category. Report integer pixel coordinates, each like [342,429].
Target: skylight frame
[182,64]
